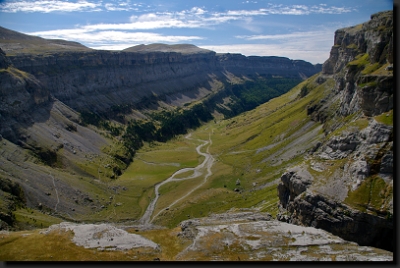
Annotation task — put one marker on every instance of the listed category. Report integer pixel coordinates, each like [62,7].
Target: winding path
[197,172]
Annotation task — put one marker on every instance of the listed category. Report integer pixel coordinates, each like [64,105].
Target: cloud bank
[47,6]
[143,26]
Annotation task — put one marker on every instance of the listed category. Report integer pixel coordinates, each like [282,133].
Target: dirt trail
[197,171]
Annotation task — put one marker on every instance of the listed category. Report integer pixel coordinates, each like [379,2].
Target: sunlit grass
[169,242]
[58,246]
[32,217]
[385,118]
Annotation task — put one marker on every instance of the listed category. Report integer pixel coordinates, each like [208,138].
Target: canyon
[311,166]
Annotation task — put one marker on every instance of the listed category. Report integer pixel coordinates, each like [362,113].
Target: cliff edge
[346,184]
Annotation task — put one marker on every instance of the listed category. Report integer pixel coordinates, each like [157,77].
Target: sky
[296,29]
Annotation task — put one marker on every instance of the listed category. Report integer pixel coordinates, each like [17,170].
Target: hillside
[311,167]
[181,48]
[13,42]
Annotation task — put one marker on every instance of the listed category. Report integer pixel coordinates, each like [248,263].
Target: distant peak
[158,47]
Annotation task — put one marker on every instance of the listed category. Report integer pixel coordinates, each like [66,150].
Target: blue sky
[297,29]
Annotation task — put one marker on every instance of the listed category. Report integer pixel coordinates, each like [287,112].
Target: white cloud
[45,6]
[290,10]
[197,11]
[313,46]
[311,35]
[113,46]
[319,56]
[120,7]
[113,38]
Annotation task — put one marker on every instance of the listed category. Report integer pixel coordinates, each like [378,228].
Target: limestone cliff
[346,184]
[86,79]
[356,61]
[20,94]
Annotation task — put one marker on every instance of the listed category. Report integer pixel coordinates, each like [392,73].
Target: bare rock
[350,224]
[387,163]
[4,60]
[103,236]
[293,183]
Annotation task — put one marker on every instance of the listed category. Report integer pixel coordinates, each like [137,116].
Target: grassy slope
[278,124]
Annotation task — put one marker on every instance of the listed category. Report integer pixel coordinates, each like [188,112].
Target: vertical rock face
[4,61]
[21,93]
[293,183]
[343,196]
[97,80]
[242,65]
[374,37]
[320,212]
[357,52]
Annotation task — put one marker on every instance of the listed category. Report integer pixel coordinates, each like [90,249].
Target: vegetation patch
[360,61]
[28,218]
[168,240]
[58,246]
[372,193]
[385,118]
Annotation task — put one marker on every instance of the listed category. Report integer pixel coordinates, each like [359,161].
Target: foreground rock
[103,236]
[249,235]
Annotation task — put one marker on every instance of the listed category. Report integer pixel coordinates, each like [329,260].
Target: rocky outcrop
[21,93]
[293,182]
[374,37]
[102,236]
[306,202]
[342,196]
[356,53]
[4,61]
[376,94]
[320,212]
[251,235]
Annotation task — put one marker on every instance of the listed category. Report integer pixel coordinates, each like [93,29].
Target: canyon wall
[99,80]
[345,186]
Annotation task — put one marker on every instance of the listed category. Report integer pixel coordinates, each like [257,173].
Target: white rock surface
[102,236]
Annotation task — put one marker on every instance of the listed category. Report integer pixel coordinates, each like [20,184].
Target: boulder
[293,183]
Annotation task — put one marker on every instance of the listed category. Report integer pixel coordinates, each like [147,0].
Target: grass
[369,69]
[350,123]
[385,118]
[373,192]
[57,246]
[361,61]
[168,240]
[383,70]
[34,218]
